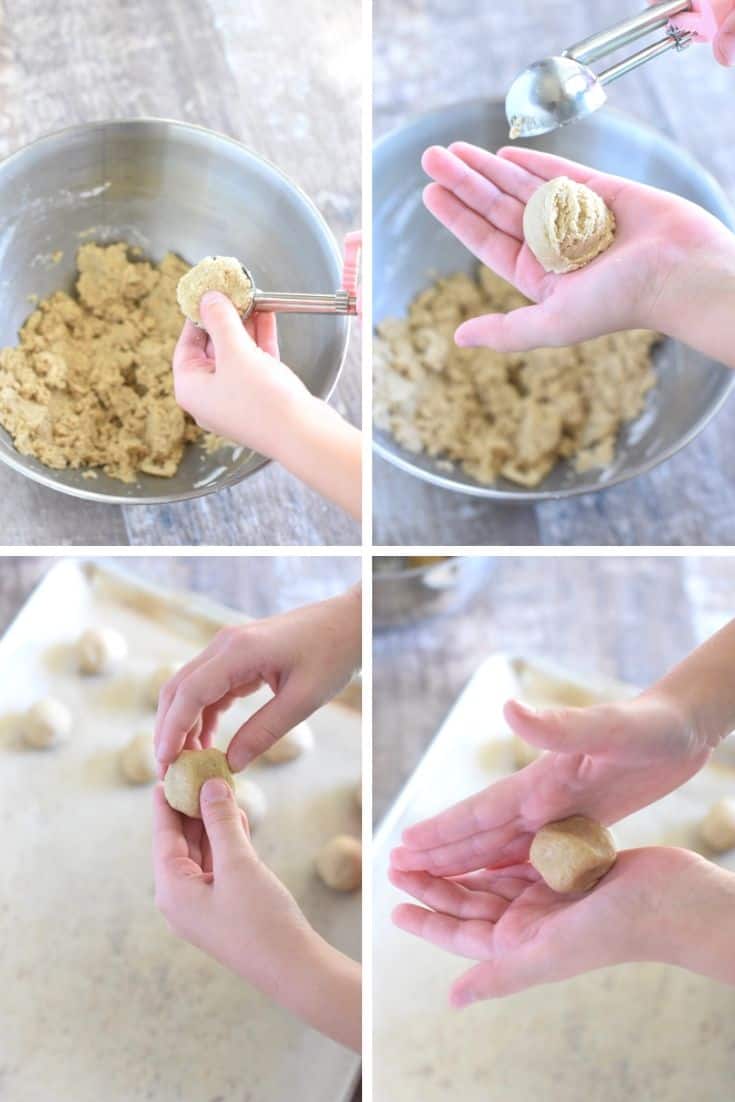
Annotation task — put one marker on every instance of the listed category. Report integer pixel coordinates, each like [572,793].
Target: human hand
[216,893]
[305,656]
[723,42]
[665,270]
[655,904]
[605,762]
[228,376]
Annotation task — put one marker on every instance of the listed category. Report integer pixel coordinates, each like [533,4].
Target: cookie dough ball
[185,777]
[252,799]
[47,723]
[573,854]
[566,225]
[214,273]
[294,743]
[339,863]
[717,829]
[157,679]
[101,650]
[137,760]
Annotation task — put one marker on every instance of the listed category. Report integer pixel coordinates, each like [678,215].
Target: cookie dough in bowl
[214,273]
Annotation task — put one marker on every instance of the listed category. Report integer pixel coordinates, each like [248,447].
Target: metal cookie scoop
[558,90]
[344,301]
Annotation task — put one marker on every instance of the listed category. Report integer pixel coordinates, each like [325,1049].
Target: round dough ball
[137,760]
[339,863]
[573,854]
[252,800]
[294,743]
[47,723]
[566,225]
[185,777]
[718,826]
[101,650]
[214,273]
[157,679]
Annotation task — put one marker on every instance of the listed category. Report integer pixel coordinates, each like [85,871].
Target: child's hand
[655,904]
[670,266]
[229,378]
[605,762]
[216,893]
[306,656]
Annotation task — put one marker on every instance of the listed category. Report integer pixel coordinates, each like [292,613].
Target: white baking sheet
[635,1032]
[99,1001]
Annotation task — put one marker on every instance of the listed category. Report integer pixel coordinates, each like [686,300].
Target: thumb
[494,979]
[278,716]
[224,825]
[224,325]
[566,730]
[528,327]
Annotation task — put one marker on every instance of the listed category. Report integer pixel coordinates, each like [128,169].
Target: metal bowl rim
[235,476]
[527,497]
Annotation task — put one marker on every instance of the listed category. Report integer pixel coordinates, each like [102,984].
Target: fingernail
[214,791]
[463,999]
[525,709]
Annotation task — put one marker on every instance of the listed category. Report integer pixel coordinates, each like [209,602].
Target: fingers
[507,883]
[527,327]
[505,846]
[204,684]
[470,938]
[565,730]
[224,326]
[495,248]
[495,808]
[280,714]
[494,979]
[723,45]
[546,166]
[513,179]
[265,333]
[448,896]
[475,189]
[191,349]
[224,824]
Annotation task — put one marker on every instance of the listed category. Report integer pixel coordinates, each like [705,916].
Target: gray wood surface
[259,586]
[431,52]
[625,617]
[283,78]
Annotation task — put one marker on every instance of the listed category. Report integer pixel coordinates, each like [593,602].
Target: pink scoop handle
[705,18]
[351,267]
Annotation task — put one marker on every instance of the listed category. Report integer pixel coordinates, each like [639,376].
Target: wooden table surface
[284,79]
[428,54]
[628,618]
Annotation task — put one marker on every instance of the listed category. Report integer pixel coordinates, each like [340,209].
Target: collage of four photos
[367,588]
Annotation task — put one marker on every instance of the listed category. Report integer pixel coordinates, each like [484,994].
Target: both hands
[469,865]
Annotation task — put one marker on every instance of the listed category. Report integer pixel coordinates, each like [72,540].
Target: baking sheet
[637,1031]
[99,1000]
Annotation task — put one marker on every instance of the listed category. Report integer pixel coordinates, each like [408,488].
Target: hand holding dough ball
[292,745]
[566,225]
[137,760]
[214,273]
[339,863]
[573,854]
[185,777]
[158,679]
[47,723]
[718,826]
[251,798]
[101,650]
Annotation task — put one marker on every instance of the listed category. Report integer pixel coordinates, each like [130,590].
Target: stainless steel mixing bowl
[165,186]
[410,249]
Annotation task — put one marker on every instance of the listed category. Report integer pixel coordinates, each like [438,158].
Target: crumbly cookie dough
[90,383]
[566,225]
[214,273]
[503,414]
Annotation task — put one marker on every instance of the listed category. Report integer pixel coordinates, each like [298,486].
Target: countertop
[427,54]
[285,80]
[629,618]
